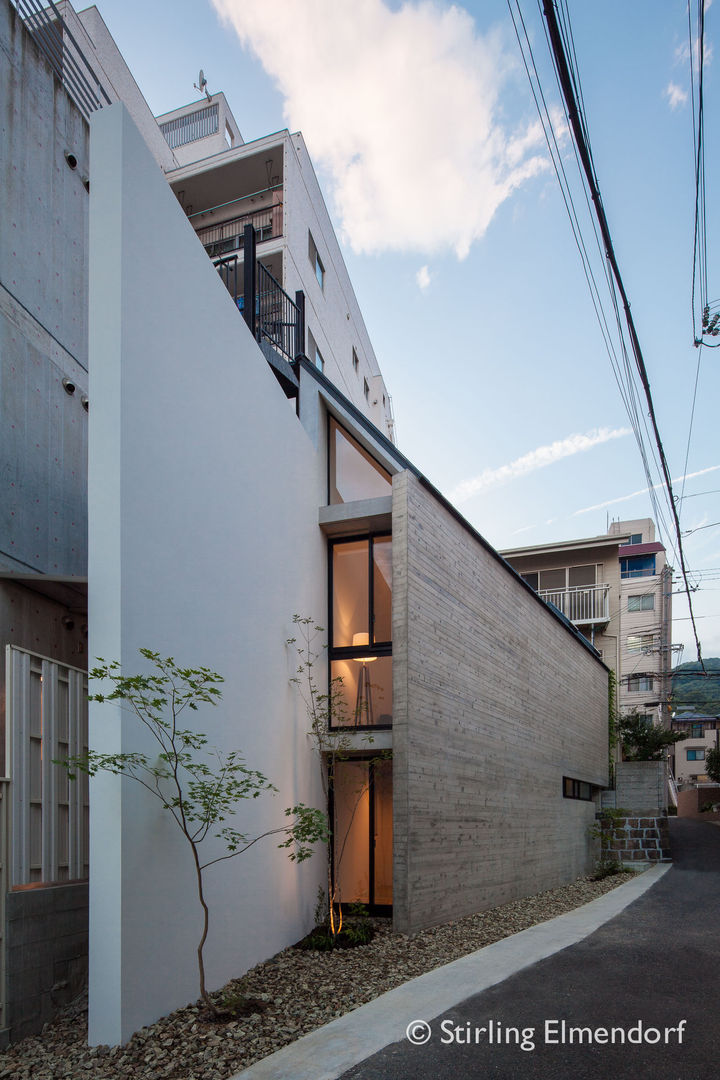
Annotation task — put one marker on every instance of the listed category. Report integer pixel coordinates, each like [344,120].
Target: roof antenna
[201,85]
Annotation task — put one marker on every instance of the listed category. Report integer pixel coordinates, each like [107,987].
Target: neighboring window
[315,354]
[640,682]
[360,649]
[354,474]
[695,755]
[366,389]
[696,731]
[643,602]
[635,538]
[193,126]
[634,566]
[639,643]
[356,361]
[576,789]
[316,261]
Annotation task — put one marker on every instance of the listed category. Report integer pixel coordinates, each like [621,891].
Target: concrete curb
[331,1050]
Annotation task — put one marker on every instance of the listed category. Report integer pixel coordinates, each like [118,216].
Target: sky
[425,136]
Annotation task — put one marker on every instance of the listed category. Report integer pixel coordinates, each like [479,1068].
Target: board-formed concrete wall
[495,700]
[203,504]
[47,935]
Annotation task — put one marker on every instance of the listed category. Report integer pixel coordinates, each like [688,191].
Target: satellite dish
[201,85]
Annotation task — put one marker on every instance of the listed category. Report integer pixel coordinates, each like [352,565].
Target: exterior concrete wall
[47,935]
[203,543]
[43,313]
[495,700]
[641,786]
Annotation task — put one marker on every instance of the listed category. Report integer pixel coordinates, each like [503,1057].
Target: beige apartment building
[616,589]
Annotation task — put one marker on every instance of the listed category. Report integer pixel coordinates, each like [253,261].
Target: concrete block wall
[637,839]
[47,953]
[495,700]
[641,786]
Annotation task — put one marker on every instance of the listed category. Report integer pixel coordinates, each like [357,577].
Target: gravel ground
[303,990]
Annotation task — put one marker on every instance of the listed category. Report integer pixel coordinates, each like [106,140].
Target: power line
[577,125]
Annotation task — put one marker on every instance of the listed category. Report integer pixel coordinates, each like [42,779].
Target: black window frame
[354,652]
[576,789]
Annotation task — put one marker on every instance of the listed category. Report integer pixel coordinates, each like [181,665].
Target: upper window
[696,731]
[316,261]
[355,360]
[634,566]
[354,474]
[638,643]
[361,632]
[695,755]
[643,602]
[315,354]
[635,538]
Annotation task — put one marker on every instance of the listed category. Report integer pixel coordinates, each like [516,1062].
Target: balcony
[228,235]
[583,605]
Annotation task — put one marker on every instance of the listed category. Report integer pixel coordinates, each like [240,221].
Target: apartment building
[242,469]
[617,590]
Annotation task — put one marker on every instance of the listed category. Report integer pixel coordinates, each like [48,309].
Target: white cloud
[535,459]
[401,107]
[676,95]
[423,278]
[643,491]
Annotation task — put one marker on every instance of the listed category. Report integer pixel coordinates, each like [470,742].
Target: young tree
[333,745]
[200,787]
[642,740]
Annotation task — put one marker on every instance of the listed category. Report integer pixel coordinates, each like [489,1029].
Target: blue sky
[425,136]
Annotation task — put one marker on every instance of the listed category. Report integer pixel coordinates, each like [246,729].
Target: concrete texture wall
[43,313]
[641,786]
[47,936]
[495,701]
[203,543]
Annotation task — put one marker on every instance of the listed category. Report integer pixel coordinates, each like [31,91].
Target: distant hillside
[694,691]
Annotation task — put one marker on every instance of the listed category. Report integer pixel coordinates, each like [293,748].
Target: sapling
[200,787]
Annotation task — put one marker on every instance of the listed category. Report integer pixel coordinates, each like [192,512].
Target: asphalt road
[644,989]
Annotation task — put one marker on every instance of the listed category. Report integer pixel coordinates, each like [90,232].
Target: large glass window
[362,831]
[361,631]
[354,474]
[633,566]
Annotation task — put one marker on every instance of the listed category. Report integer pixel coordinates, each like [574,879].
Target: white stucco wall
[204,541]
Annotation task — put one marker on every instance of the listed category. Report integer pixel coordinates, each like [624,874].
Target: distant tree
[644,741]
[695,691]
[712,764]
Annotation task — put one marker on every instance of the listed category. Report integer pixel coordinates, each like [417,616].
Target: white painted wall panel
[203,544]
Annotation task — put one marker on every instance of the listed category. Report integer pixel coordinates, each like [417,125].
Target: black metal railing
[278,318]
[228,235]
[267,309]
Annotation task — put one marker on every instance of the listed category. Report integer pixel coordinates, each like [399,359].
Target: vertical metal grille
[57,43]
[46,718]
[192,126]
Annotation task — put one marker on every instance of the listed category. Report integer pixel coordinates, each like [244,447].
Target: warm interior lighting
[358,640]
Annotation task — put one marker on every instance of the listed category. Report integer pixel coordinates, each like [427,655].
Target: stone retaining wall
[636,839]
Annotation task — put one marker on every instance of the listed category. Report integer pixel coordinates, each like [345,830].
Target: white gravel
[303,990]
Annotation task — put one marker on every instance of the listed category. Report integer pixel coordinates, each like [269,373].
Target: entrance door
[362,833]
